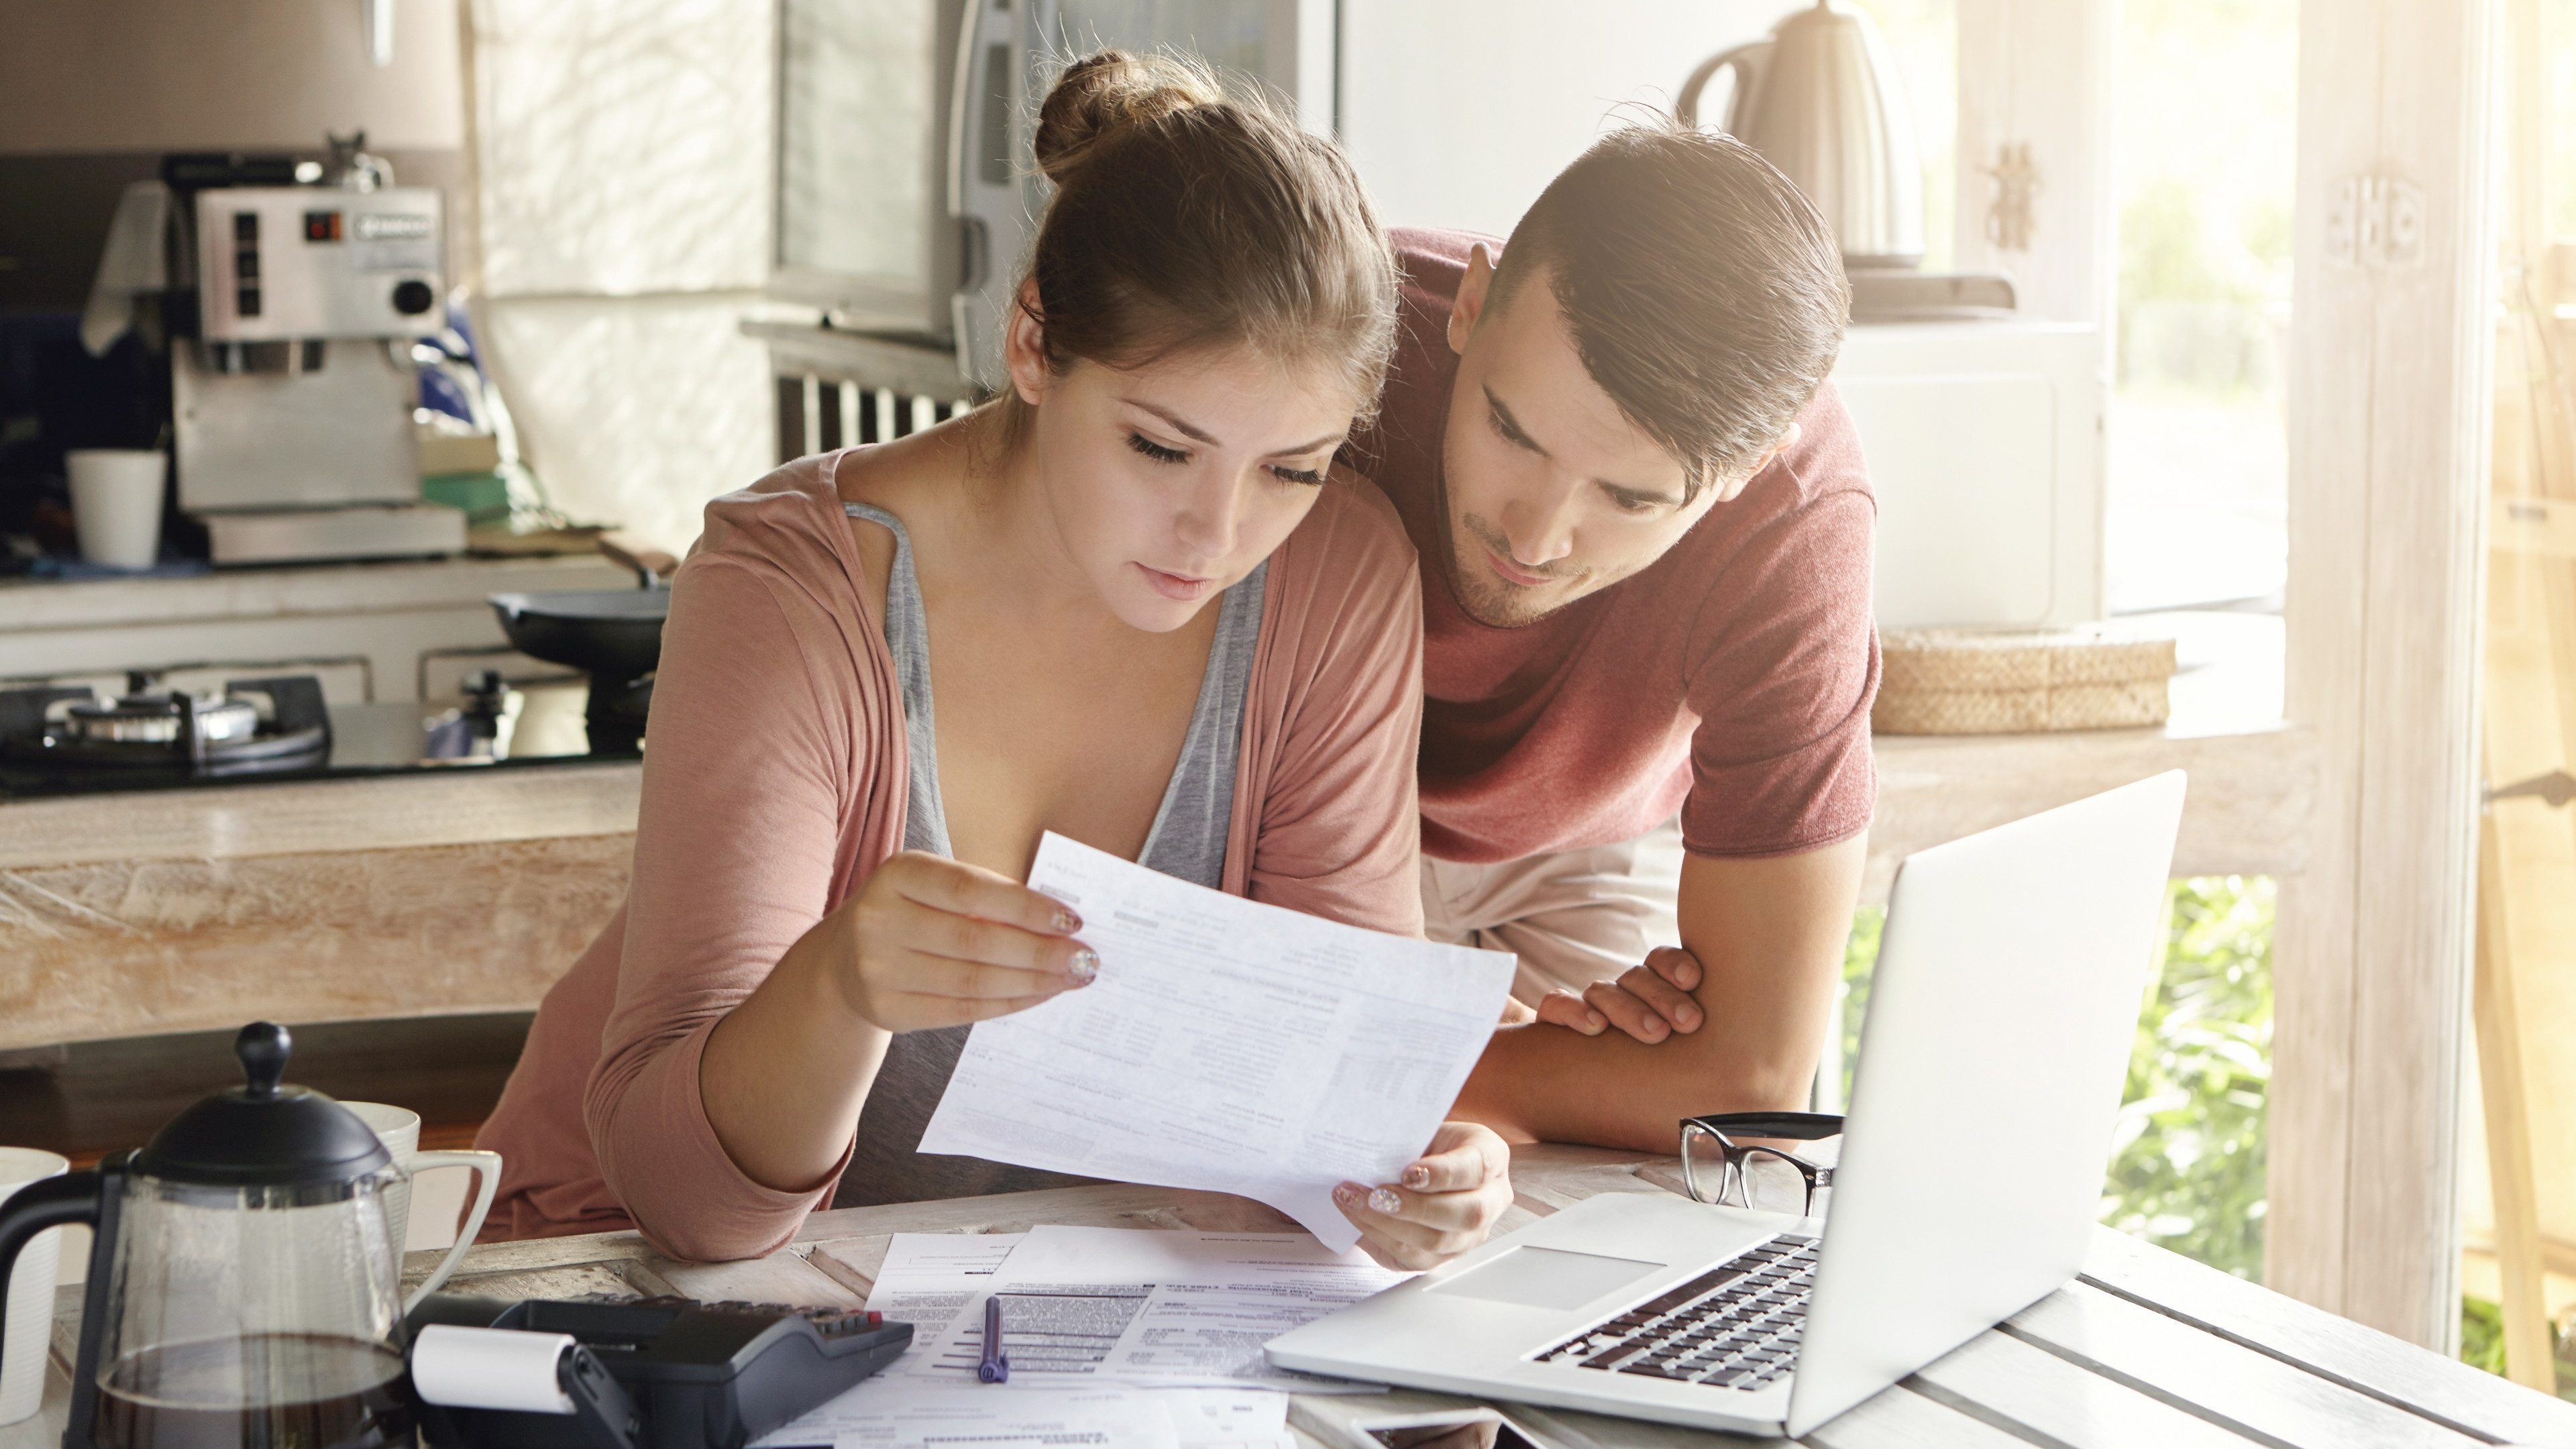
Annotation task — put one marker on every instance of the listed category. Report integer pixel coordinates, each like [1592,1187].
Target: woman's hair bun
[1110,90]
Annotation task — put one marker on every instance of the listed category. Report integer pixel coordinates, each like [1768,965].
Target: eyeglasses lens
[1706,1172]
[1774,1182]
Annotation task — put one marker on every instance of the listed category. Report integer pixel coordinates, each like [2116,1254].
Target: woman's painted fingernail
[1417,1177]
[1066,920]
[1086,964]
[1348,1194]
[1383,1200]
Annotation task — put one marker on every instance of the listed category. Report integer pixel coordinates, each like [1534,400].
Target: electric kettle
[1819,100]
[244,1287]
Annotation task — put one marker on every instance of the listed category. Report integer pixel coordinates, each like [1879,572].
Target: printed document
[930,1279]
[1145,1306]
[938,1282]
[1227,1045]
[892,1417]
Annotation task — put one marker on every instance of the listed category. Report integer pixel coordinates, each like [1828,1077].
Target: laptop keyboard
[1736,1326]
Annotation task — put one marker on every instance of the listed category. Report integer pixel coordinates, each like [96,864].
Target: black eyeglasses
[1709,1181]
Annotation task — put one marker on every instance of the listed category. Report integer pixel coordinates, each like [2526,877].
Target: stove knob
[413,297]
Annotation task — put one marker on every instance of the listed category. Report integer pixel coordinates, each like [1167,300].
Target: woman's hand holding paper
[932,942]
[1446,1202]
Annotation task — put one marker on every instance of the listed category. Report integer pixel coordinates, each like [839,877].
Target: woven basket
[1956,682]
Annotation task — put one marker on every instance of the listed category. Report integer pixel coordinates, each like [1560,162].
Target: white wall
[624,148]
[623,220]
[220,75]
[1458,112]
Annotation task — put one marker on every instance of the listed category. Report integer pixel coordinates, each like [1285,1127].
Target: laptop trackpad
[1545,1278]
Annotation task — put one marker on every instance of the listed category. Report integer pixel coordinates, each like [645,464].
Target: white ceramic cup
[399,1129]
[116,504]
[29,1327]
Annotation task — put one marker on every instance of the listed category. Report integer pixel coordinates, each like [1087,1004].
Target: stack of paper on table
[1226,1045]
[1116,1336]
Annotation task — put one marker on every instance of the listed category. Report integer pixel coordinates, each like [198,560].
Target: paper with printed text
[1227,1045]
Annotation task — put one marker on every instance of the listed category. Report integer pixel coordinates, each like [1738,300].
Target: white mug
[29,1326]
[116,504]
[399,1129]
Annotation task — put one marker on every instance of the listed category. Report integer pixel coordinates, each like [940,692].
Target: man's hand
[1443,1204]
[1766,938]
[1649,1002]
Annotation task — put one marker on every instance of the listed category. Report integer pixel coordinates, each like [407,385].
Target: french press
[244,1286]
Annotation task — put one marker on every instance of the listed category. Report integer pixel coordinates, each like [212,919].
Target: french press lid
[264,1133]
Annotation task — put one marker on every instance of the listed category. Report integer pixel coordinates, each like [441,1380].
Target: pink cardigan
[774,783]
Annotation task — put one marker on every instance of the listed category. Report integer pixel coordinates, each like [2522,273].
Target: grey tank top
[1187,839]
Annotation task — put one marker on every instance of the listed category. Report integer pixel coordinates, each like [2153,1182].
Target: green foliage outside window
[2187,1165]
[2482,1342]
[2482,1334]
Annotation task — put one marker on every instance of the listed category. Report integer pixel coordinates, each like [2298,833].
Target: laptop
[2006,996]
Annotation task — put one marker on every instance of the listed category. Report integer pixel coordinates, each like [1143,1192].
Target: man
[1645,539]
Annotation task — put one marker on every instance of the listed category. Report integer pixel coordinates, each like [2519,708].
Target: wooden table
[2146,1349]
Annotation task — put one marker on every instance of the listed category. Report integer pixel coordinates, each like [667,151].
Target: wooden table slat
[851,1262]
[1106,1205]
[1565,1190]
[2042,1397]
[535,1253]
[1902,1418]
[568,1280]
[2262,1397]
[2363,1358]
[778,1278]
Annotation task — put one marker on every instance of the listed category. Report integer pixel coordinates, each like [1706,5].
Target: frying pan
[612,635]
[606,633]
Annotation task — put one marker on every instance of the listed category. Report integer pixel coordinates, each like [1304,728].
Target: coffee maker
[295,297]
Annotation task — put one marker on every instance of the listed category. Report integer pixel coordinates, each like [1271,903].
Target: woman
[1147,619]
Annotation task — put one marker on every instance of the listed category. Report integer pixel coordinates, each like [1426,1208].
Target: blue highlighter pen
[996,1365]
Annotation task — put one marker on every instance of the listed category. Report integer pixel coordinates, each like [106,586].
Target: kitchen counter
[418,895]
[2247,811]
[465,806]
[472,890]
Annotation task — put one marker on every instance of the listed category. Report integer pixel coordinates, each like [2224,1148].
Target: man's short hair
[1704,291]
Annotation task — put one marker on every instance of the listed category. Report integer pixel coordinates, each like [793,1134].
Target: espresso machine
[295,297]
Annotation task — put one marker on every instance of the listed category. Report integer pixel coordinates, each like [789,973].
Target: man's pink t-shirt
[1730,680]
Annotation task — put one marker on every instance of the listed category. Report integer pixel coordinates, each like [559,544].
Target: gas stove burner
[143,715]
[168,731]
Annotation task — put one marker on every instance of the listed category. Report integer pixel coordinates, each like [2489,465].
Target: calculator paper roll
[490,1368]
